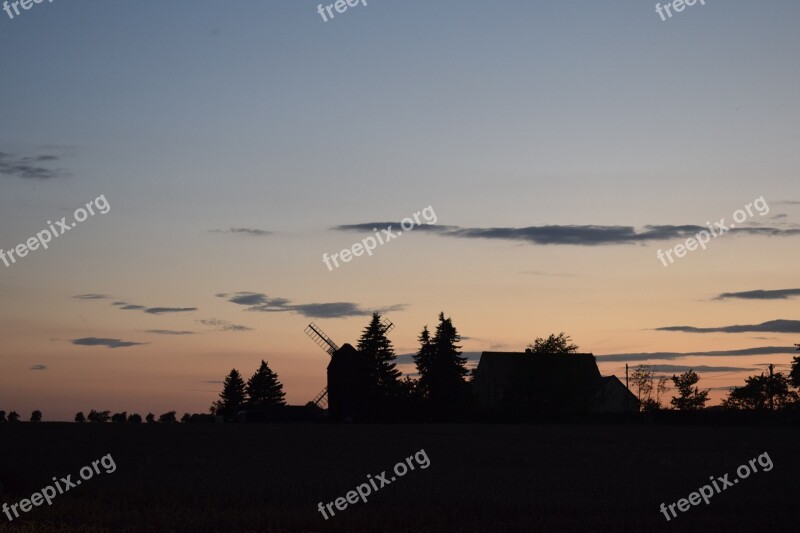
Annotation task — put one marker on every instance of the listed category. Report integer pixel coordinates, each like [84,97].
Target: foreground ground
[207,477]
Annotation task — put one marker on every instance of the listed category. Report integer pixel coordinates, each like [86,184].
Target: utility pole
[626,386]
[769,387]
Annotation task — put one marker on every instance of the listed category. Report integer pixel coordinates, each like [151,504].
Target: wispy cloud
[667,356]
[577,235]
[772,326]
[163,310]
[91,296]
[244,231]
[169,332]
[38,367]
[698,368]
[30,167]
[223,325]
[108,343]
[256,301]
[777,294]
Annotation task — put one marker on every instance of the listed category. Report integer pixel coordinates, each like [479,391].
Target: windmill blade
[322,399]
[323,341]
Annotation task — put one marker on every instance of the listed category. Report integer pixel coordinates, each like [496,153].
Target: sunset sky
[560,145]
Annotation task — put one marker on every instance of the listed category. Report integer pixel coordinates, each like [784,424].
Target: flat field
[504,478]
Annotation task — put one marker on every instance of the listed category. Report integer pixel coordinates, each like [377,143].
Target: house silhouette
[549,384]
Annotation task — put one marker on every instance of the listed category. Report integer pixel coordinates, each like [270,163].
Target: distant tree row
[13,416]
[773,391]
[169,417]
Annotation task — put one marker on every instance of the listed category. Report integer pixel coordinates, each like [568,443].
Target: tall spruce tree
[442,369]
[263,388]
[379,356]
[232,397]
[424,360]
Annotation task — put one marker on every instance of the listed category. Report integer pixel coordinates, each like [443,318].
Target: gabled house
[532,384]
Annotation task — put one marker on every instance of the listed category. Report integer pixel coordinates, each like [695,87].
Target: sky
[225,147]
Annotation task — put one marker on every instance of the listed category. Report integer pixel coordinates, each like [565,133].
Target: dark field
[207,477]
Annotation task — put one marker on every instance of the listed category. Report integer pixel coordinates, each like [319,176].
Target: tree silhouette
[794,375]
[13,416]
[689,398]
[756,393]
[232,397]
[263,388]
[560,343]
[424,361]
[135,418]
[150,418]
[442,369]
[120,418]
[379,357]
[168,418]
[79,417]
[643,380]
[2,416]
[99,416]
[36,416]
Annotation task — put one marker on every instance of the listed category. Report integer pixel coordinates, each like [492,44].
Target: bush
[168,418]
[99,417]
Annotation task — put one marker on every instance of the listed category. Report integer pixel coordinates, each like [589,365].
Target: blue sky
[198,116]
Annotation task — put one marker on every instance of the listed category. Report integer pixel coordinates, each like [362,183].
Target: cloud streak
[700,368]
[575,235]
[256,301]
[169,332]
[779,294]
[772,326]
[251,232]
[163,310]
[223,325]
[668,356]
[108,343]
[29,167]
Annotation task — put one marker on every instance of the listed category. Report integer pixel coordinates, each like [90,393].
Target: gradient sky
[193,118]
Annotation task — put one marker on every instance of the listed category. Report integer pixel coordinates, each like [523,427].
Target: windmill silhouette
[322,340]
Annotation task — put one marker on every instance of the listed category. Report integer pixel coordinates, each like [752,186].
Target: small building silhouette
[541,385]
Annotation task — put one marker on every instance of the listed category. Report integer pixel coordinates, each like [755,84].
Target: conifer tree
[232,397]
[424,360]
[264,389]
[379,356]
[442,369]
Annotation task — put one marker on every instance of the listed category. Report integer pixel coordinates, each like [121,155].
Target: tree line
[764,392]
[442,388]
